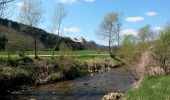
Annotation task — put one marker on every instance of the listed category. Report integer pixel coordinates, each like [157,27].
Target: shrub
[56,75]
[131,52]
[162,50]
[65,61]
[25,60]
[77,70]
[13,77]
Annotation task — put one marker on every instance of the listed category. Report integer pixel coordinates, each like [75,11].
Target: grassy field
[80,52]
[82,55]
[155,88]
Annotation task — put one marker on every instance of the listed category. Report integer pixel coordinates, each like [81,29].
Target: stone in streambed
[113,96]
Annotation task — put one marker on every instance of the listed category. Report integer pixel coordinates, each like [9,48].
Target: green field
[82,55]
[80,52]
[155,88]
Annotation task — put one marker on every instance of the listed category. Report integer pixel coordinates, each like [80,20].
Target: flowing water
[84,88]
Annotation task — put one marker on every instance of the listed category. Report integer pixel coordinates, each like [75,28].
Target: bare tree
[5,1]
[31,14]
[6,8]
[109,29]
[59,15]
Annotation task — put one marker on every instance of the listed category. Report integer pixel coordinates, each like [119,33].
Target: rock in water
[113,96]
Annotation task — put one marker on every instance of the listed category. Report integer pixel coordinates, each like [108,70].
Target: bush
[67,65]
[131,52]
[13,78]
[13,63]
[25,60]
[65,61]
[162,50]
[77,71]
[56,75]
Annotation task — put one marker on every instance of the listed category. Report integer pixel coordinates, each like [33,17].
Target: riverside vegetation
[155,86]
[145,56]
[21,72]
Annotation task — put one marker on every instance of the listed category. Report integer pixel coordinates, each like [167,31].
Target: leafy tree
[144,34]
[131,53]
[109,29]
[129,39]
[162,49]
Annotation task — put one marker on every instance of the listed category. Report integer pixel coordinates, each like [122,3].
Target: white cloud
[134,19]
[67,1]
[157,28]
[20,4]
[129,32]
[71,30]
[89,0]
[151,13]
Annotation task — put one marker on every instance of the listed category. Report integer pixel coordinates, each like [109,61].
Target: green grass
[155,88]
[88,58]
[80,52]
[81,55]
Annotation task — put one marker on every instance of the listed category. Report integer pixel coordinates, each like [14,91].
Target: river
[84,88]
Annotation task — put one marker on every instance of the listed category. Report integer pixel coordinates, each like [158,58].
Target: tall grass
[13,77]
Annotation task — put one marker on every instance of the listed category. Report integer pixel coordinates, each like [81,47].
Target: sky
[85,16]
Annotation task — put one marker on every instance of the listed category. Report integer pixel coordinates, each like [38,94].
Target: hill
[17,32]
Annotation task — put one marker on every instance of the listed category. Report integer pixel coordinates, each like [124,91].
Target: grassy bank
[154,88]
[21,72]
[35,73]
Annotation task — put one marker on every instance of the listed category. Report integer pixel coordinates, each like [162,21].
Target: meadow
[154,88]
[81,55]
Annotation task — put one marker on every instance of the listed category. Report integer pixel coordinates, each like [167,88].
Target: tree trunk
[35,42]
[57,41]
[9,56]
[35,48]
[55,48]
[110,50]
[118,36]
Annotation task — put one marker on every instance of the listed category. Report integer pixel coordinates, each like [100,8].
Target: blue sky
[85,16]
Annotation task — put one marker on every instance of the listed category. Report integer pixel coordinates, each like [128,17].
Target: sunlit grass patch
[155,88]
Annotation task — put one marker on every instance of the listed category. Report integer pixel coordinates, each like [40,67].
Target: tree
[18,44]
[144,34]
[129,39]
[4,8]
[162,49]
[31,14]
[59,15]
[5,1]
[131,53]
[109,29]
[3,42]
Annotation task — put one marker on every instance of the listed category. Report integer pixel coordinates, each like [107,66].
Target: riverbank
[33,73]
[82,88]
[153,88]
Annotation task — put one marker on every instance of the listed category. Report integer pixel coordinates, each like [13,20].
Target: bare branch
[6,1]
[59,15]
[31,14]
